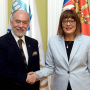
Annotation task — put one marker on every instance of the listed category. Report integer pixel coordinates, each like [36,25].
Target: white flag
[54,12]
[33,31]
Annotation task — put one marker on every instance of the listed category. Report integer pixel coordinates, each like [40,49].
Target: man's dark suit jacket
[13,72]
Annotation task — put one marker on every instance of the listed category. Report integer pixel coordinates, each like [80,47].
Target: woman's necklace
[67,45]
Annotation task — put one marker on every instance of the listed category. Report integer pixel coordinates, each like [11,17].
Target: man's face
[20,23]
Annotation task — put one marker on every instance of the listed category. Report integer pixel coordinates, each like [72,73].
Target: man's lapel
[29,48]
[14,46]
[12,42]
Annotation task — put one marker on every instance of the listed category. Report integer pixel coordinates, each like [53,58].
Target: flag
[33,30]
[68,4]
[82,9]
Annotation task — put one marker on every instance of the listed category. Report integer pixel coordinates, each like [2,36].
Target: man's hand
[31,77]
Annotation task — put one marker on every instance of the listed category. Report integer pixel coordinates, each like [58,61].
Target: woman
[68,55]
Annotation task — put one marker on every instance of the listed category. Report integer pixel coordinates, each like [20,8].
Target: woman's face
[69,26]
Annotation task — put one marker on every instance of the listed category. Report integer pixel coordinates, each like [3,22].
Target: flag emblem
[18,4]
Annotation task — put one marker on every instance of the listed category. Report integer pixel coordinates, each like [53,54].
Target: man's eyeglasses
[66,21]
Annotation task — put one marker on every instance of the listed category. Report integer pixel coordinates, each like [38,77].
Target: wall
[89,4]
[42,15]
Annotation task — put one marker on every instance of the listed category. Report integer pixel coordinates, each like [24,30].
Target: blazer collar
[12,40]
[28,44]
[75,48]
[61,44]
[29,48]
[13,43]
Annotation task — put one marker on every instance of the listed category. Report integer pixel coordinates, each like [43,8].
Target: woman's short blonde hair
[69,14]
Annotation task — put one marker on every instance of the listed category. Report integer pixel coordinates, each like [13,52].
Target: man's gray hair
[11,18]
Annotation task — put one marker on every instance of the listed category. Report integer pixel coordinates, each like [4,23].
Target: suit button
[17,84]
[68,72]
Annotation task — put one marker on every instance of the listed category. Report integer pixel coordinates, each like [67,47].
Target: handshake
[31,78]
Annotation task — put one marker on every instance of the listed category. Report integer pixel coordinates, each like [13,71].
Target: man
[17,61]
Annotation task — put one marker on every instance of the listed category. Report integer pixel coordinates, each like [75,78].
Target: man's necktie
[20,43]
[21,50]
